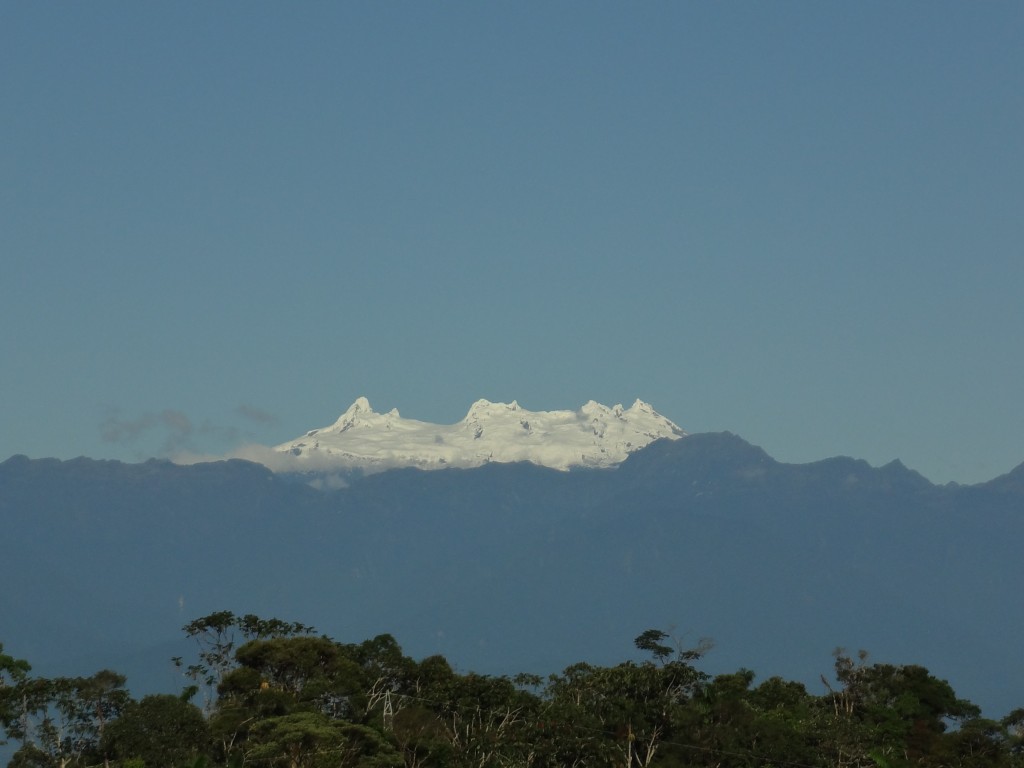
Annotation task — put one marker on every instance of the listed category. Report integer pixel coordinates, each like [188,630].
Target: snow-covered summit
[592,436]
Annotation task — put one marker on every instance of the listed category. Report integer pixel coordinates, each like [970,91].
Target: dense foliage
[268,693]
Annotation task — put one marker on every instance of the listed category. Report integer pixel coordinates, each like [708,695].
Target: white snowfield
[593,436]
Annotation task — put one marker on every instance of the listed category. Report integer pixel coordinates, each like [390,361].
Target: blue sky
[800,222]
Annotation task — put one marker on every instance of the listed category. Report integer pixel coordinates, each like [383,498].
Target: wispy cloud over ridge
[175,433]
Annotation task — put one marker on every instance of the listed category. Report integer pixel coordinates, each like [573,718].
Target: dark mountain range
[514,567]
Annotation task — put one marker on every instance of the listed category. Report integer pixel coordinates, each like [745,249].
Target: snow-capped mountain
[593,436]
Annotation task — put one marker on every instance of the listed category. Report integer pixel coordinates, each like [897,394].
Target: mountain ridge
[518,567]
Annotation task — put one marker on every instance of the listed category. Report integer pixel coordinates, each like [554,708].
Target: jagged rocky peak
[592,436]
[360,414]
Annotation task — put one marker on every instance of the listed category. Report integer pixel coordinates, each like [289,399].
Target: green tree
[161,730]
[282,676]
[80,710]
[385,671]
[618,715]
[783,727]
[486,720]
[30,756]
[13,676]
[893,713]
[312,740]
[976,743]
[296,740]
[420,737]
[217,636]
[62,718]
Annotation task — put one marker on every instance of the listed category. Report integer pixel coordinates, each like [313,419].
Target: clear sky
[800,222]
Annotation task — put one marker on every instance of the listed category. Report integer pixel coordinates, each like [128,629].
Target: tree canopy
[267,693]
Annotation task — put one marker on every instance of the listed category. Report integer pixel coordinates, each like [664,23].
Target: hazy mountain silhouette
[514,567]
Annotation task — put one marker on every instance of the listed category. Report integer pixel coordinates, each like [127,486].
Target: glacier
[594,436]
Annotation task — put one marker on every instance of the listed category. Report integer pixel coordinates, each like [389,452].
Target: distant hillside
[514,567]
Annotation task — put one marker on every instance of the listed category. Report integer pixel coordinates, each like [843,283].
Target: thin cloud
[255,415]
[114,429]
[325,475]
[120,431]
[174,429]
